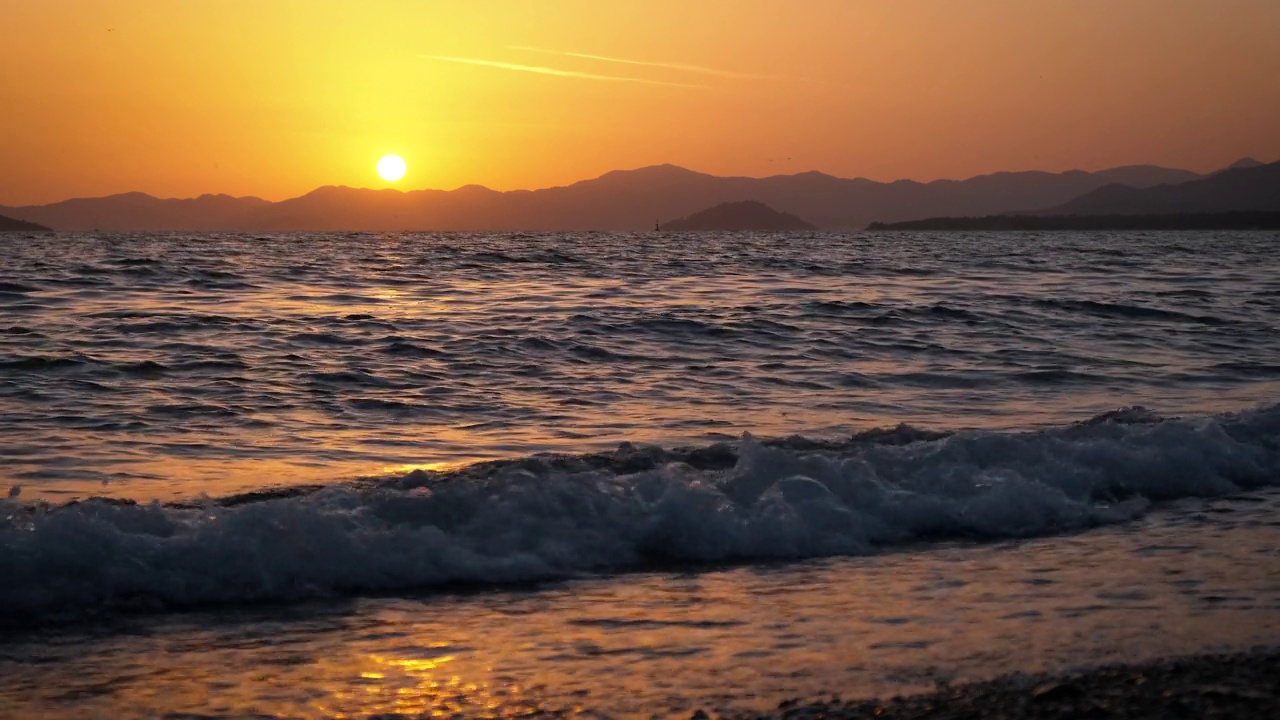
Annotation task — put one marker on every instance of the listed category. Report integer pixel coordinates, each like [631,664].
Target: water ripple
[301,358]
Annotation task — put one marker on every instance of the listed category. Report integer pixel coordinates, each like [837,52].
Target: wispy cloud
[541,70]
[683,67]
[645,63]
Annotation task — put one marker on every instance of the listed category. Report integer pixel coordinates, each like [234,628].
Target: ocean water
[167,366]
[323,475]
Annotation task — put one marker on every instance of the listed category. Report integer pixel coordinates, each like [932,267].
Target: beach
[1242,686]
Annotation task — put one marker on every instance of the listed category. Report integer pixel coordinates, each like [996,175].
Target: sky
[274,98]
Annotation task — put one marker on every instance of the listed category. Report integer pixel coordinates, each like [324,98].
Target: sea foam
[539,518]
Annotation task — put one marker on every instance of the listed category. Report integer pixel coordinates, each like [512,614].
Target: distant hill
[735,216]
[619,200]
[1246,162]
[1236,189]
[8,224]
[1196,221]
[139,211]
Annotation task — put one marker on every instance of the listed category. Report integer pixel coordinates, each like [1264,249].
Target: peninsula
[8,224]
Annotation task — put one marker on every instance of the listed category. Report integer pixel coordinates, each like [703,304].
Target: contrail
[645,63]
[556,71]
[674,66]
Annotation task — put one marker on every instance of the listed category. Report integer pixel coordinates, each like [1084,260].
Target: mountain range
[1243,187]
[632,199]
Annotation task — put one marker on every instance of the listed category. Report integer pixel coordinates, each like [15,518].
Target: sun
[391,168]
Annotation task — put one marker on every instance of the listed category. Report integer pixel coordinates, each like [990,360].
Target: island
[8,224]
[1244,220]
[738,216]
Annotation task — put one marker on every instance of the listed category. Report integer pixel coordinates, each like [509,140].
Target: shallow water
[173,365]
[1196,576]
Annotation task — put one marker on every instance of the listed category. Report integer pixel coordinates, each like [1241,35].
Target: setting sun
[391,168]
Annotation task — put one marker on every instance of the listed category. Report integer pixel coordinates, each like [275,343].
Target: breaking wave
[545,517]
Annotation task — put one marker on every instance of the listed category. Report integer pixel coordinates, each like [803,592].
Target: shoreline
[1230,686]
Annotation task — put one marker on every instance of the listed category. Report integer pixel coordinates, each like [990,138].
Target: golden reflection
[424,467]
[416,686]
[388,294]
[417,665]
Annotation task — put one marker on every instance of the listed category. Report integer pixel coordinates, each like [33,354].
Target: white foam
[528,522]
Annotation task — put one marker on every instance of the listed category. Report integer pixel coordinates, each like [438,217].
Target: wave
[1128,311]
[556,516]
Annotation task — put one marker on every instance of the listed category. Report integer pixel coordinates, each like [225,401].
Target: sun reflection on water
[433,467]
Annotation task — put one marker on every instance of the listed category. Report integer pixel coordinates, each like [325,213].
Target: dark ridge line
[1239,220]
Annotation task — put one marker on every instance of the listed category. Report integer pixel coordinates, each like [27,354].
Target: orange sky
[276,97]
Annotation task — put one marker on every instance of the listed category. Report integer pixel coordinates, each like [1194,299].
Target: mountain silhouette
[138,211]
[737,216]
[1245,162]
[1236,189]
[8,224]
[618,200]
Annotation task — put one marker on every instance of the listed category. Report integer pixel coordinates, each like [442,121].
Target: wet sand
[1243,686]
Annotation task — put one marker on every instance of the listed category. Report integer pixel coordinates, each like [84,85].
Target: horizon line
[627,170]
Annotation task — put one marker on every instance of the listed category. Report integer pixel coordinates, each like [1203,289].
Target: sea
[356,475]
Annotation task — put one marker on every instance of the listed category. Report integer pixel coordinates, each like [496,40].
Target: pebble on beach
[1245,686]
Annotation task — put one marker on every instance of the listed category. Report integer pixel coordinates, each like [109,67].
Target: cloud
[670,66]
[675,66]
[541,70]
